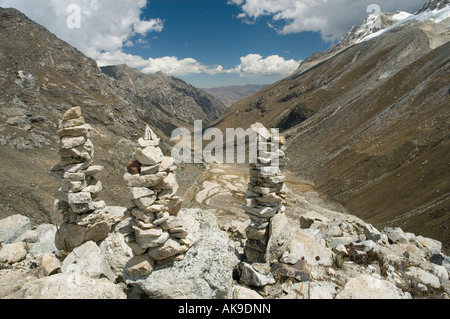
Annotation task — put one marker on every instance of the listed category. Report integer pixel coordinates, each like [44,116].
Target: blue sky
[207,43]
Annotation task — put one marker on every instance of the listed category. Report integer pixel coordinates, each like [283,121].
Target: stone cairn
[85,219]
[152,187]
[264,198]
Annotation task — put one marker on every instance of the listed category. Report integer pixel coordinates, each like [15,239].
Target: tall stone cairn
[152,188]
[85,219]
[268,233]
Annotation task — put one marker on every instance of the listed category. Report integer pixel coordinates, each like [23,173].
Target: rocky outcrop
[206,272]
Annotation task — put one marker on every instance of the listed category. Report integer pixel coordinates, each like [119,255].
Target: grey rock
[252,277]
[279,237]
[139,266]
[46,241]
[396,235]
[306,220]
[70,286]
[12,227]
[371,287]
[149,156]
[88,260]
[13,253]
[205,272]
[423,277]
[432,246]
[116,252]
[241,292]
[305,247]
[372,233]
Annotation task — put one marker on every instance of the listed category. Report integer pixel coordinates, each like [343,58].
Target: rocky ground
[332,255]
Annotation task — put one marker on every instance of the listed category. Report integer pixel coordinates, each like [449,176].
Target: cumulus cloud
[255,65]
[331,18]
[167,65]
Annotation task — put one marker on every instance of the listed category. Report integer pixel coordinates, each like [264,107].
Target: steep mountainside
[41,77]
[370,125]
[229,95]
[171,102]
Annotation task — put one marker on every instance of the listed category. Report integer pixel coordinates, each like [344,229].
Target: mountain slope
[170,102]
[370,125]
[41,77]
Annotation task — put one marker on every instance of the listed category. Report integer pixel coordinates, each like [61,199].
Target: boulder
[206,272]
[116,252]
[252,277]
[371,287]
[46,241]
[13,253]
[70,286]
[139,266]
[306,220]
[396,235]
[88,260]
[372,233]
[279,237]
[244,293]
[307,248]
[12,227]
[72,113]
[423,277]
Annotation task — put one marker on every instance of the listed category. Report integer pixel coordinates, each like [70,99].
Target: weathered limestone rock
[371,287]
[88,260]
[205,272]
[13,253]
[12,227]
[70,286]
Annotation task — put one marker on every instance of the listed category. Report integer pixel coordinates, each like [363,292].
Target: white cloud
[331,18]
[108,26]
[167,65]
[256,65]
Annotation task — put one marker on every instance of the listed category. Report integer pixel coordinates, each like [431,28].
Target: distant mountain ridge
[229,95]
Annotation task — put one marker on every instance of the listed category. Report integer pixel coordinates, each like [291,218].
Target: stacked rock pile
[265,194]
[85,219]
[152,188]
